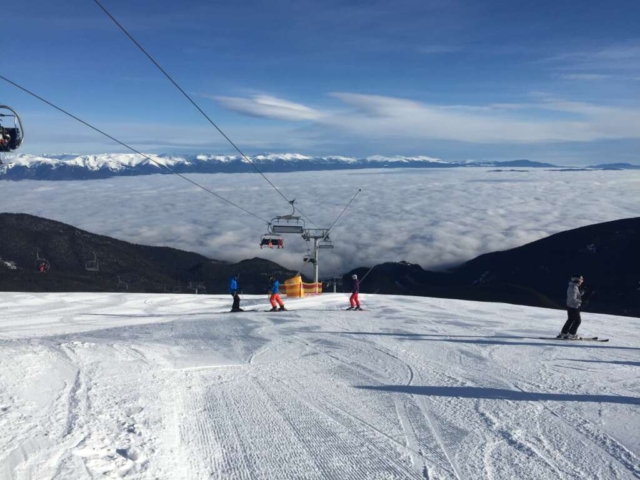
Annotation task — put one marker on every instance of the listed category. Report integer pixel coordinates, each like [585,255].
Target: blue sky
[546,80]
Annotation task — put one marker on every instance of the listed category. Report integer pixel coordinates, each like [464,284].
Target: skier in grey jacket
[574,301]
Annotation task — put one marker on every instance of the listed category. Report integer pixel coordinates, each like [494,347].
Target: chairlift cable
[132,149]
[164,72]
[365,275]
[345,209]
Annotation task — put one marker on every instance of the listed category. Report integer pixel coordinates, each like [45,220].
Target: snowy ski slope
[173,387]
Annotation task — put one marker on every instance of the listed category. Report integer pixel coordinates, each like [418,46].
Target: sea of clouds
[436,218]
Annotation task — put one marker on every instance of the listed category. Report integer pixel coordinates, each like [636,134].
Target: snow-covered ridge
[76,167]
[122,160]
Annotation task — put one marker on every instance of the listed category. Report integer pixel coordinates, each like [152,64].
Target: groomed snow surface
[174,387]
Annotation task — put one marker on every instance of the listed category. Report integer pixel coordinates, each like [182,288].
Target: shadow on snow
[500,394]
[483,340]
[614,362]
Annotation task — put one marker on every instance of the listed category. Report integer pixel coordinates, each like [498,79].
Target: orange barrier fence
[312,288]
[296,288]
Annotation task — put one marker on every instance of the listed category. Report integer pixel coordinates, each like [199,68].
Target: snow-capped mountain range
[81,167]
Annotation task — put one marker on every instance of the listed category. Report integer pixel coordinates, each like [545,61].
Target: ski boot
[282,309]
[274,309]
[358,308]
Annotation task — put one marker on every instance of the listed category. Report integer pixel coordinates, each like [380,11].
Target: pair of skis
[255,310]
[579,339]
[272,311]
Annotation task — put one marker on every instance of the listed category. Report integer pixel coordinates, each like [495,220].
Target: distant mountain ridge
[535,274]
[122,266]
[616,166]
[86,167]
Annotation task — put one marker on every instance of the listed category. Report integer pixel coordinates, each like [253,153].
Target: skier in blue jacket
[274,295]
[234,290]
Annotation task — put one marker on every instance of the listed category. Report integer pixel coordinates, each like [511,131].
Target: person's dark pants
[236,301]
[573,322]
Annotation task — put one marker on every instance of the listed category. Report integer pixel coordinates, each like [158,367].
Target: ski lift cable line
[342,213]
[132,149]
[188,97]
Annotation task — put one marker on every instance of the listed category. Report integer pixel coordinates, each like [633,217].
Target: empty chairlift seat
[92,265]
[325,243]
[287,224]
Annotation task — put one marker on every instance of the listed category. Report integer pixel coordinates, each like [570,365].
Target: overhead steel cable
[186,95]
[132,149]
[342,213]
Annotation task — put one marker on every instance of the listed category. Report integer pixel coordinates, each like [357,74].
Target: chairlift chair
[92,265]
[271,240]
[309,259]
[325,243]
[122,286]
[287,223]
[42,264]
[11,130]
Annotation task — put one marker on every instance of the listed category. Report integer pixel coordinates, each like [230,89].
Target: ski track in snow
[172,386]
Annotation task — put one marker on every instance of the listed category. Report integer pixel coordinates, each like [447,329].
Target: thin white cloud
[70,136]
[380,116]
[439,49]
[620,52]
[584,76]
[270,107]
[622,59]
[430,217]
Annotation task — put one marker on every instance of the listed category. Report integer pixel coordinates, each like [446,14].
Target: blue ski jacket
[233,285]
[275,287]
[356,286]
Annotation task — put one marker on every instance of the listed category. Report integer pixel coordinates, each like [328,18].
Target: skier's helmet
[354,277]
[577,278]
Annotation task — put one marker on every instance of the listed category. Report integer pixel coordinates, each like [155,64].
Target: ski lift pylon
[287,223]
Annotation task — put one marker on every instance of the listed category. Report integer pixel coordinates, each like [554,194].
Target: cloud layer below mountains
[436,218]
